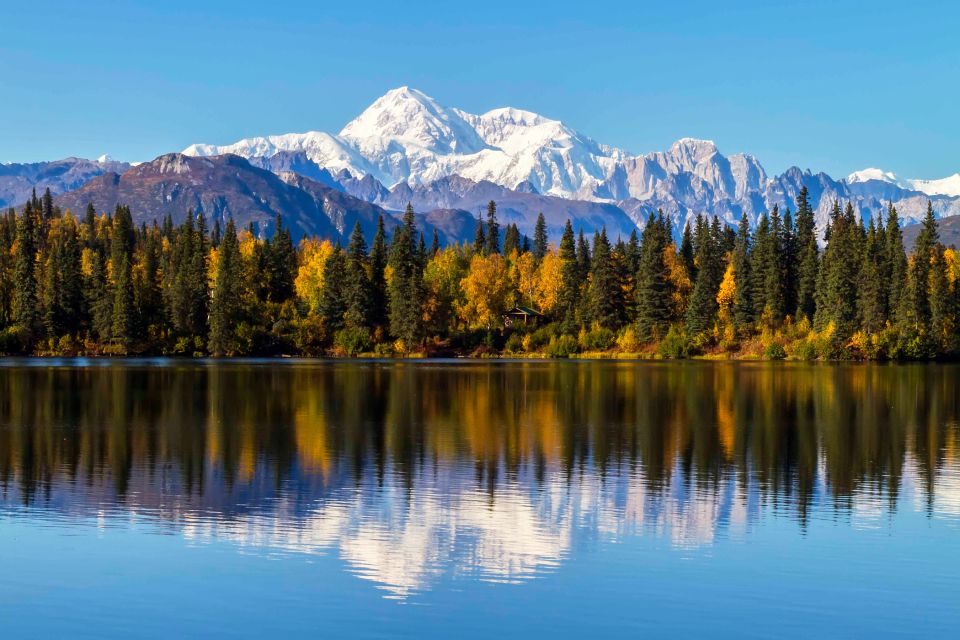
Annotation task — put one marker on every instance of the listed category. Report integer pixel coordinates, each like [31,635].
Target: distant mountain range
[448,163]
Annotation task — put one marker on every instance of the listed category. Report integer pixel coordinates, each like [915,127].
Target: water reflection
[499,472]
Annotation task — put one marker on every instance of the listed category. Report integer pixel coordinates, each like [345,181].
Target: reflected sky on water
[369,498]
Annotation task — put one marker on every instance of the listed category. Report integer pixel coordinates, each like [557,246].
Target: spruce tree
[225,302]
[357,286]
[479,238]
[606,306]
[333,302]
[493,229]
[918,291]
[743,314]
[511,240]
[654,291]
[540,239]
[568,298]
[872,292]
[702,308]
[25,293]
[406,285]
[807,258]
[378,283]
[896,264]
[123,316]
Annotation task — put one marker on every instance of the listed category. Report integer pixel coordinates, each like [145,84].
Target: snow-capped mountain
[406,140]
[949,186]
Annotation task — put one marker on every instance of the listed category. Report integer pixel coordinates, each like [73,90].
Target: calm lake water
[453,499]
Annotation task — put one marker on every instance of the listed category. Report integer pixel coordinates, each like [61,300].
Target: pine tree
[654,290]
[434,243]
[100,297]
[702,308]
[511,240]
[605,302]
[632,252]
[895,270]
[493,229]
[281,264]
[333,302]
[540,238]
[123,316]
[225,302]
[918,291]
[569,295]
[807,258]
[479,238]
[357,286]
[378,283]
[872,293]
[406,285]
[743,309]
[583,258]
[839,275]
[25,293]
[686,253]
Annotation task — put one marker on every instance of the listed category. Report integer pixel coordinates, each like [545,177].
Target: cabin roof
[522,311]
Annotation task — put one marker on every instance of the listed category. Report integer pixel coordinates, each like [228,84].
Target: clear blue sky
[835,86]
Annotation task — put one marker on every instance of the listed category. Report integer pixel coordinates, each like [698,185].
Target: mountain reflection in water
[497,472]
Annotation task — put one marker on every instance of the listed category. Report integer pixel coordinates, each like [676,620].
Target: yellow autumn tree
[725,296]
[442,277]
[525,277]
[549,282]
[679,278]
[487,291]
[309,281]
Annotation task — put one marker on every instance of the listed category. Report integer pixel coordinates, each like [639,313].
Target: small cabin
[521,316]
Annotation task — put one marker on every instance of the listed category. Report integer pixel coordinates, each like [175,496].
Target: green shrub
[514,343]
[562,347]
[805,350]
[774,351]
[352,341]
[675,344]
[598,339]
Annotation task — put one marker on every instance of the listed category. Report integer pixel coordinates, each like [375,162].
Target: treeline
[101,285]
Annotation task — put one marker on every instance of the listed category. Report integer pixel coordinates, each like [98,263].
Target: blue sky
[833,86]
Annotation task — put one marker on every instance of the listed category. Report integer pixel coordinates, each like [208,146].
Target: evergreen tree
[493,229]
[281,264]
[333,302]
[123,315]
[225,302]
[406,285]
[743,309]
[540,239]
[434,243]
[686,253]
[632,252]
[653,289]
[807,258]
[918,291]
[895,269]
[839,275]
[702,309]
[25,293]
[378,282]
[569,295]
[605,303]
[511,240]
[872,292]
[583,257]
[99,297]
[358,289]
[479,238]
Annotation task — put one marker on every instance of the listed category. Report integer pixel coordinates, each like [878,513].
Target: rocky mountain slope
[17,181]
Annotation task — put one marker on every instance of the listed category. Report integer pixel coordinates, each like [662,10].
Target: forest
[100,285]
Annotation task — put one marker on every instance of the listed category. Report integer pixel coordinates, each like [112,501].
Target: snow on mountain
[406,139]
[949,186]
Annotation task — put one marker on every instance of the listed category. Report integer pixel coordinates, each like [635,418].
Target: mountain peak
[411,117]
[694,147]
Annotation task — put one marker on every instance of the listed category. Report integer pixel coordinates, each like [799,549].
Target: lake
[474,500]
